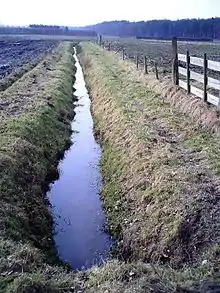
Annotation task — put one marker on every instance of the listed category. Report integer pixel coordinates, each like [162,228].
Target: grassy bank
[35,130]
[160,191]
[161,173]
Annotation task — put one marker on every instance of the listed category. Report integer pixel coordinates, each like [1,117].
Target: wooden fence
[184,76]
[147,64]
[191,77]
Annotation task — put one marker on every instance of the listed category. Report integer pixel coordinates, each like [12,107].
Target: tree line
[164,29]
[34,29]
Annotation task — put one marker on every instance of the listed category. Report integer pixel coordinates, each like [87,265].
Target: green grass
[111,165]
[206,142]
[30,147]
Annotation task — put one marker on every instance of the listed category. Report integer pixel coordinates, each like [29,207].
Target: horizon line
[106,21]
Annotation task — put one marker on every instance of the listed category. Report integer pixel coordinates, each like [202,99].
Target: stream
[79,220]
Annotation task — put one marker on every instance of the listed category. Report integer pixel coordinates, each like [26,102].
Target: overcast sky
[82,12]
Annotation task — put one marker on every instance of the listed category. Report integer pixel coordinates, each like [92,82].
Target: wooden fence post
[175,62]
[123,54]
[145,65]
[188,71]
[100,40]
[205,77]
[137,61]
[156,70]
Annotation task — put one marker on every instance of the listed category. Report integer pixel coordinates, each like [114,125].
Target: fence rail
[184,76]
[191,76]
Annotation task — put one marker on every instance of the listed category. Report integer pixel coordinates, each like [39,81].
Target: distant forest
[35,29]
[201,29]
[163,29]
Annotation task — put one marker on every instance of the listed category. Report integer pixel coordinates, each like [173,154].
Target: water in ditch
[79,219]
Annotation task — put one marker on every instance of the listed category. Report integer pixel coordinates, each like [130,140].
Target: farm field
[15,54]
[161,51]
[48,37]
[19,56]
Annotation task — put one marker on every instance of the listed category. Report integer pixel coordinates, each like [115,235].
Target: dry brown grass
[202,113]
[162,182]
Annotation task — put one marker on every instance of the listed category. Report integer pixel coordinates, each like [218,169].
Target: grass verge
[160,167]
[35,130]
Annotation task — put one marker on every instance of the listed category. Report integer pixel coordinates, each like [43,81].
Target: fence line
[137,59]
[186,72]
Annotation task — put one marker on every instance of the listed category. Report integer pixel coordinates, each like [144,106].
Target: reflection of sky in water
[80,237]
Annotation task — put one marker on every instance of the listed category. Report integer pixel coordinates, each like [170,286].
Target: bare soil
[161,52]
[15,54]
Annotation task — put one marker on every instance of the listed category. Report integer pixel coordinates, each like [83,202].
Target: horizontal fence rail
[214,65]
[196,61]
[193,82]
[182,57]
[190,77]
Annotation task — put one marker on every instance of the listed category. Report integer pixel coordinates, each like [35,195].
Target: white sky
[82,12]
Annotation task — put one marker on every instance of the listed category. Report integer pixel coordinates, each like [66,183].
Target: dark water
[79,218]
